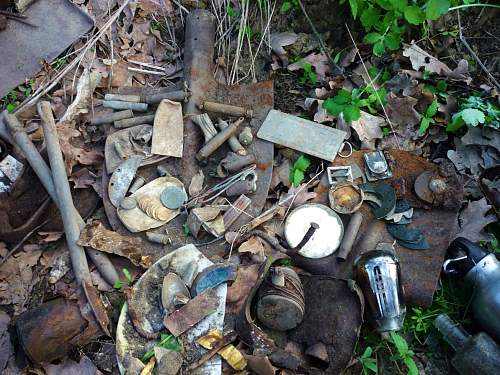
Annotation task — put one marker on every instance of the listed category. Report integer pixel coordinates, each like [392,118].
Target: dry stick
[374,89]
[473,54]
[320,40]
[75,62]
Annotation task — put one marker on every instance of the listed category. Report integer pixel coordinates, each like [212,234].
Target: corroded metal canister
[281,303]
[379,275]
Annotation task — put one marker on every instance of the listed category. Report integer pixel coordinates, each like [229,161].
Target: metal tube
[115,104]
[233,142]
[63,192]
[350,235]
[226,109]
[126,123]
[211,146]
[41,169]
[110,117]
[123,98]
[176,96]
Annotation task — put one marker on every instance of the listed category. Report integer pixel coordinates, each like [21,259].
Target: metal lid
[327,237]
[173,197]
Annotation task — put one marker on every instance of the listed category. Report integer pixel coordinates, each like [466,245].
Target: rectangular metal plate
[302,135]
[23,48]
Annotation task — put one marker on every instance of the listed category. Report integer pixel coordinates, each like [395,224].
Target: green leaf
[351,113]
[436,8]
[441,86]
[432,109]
[343,97]
[302,163]
[369,17]
[372,72]
[414,15]
[472,116]
[118,285]
[372,38]
[185,229]
[424,125]
[354,8]
[231,12]
[333,108]
[412,367]
[456,124]
[336,59]
[11,107]
[399,342]
[286,6]
[378,48]
[296,177]
[367,353]
[392,41]
[371,364]
[127,275]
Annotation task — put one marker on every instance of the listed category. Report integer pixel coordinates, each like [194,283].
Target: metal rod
[126,123]
[176,96]
[111,117]
[115,104]
[211,146]
[226,109]
[350,235]
[123,98]
[233,142]
[41,169]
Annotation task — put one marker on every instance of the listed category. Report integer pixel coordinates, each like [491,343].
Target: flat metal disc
[327,237]
[173,197]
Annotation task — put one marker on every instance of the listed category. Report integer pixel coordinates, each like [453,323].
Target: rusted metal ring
[342,149]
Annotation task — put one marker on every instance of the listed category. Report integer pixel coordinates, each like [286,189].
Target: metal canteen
[379,276]
[481,269]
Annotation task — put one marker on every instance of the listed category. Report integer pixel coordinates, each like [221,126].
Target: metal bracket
[339,174]
[377,167]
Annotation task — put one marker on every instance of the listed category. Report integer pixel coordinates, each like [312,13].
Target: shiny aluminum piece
[339,174]
[377,167]
[379,276]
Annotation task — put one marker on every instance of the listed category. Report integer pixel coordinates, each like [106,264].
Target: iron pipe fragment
[241,187]
[211,146]
[111,117]
[350,235]
[176,96]
[44,173]
[115,104]
[132,121]
[233,163]
[226,109]
[160,238]
[63,193]
[233,142]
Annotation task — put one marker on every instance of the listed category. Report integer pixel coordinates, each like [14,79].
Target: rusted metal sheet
[420,269]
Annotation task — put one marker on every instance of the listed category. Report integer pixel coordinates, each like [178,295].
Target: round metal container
[327,237]
[345,197]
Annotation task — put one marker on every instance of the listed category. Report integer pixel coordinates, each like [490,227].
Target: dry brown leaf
[473,219]
[369,129]
[421,59]
[237,293]
[17,279]
[281,174]
[98,237]
[254,246]
[301,195]
[6,347]
[280,40]
[321,114]
[402,84]
[196,184]
[99,282]
[51,236]
[75,154]
[401,111]
[319,61]
[85,88]
[70,367]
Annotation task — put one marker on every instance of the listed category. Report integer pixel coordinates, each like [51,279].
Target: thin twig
[20,243]
[374,89]
[473,54]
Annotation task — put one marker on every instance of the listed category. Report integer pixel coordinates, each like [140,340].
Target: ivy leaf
[369,17]
[392,41]
[367,353]
[414,15]
[378,48]
[298,170]
[472,116]
[436,8]
[302,163]
[351,113]
[342,97]
[372,38]
[297,177]
[432,109]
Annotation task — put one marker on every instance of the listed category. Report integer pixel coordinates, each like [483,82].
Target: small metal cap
[128,203]
[173,197]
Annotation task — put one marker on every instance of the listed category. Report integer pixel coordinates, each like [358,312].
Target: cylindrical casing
[211,146]
[350,235]
[123,98]
[111,117]
[176,96]
[227,109]
[139,120]
[53,329]
[115,104]
[233,142]
[379,276]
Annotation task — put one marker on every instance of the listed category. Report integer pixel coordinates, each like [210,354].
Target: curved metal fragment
[121,179]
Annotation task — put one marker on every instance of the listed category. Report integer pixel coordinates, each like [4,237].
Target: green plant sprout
[428,117]
[298,170]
